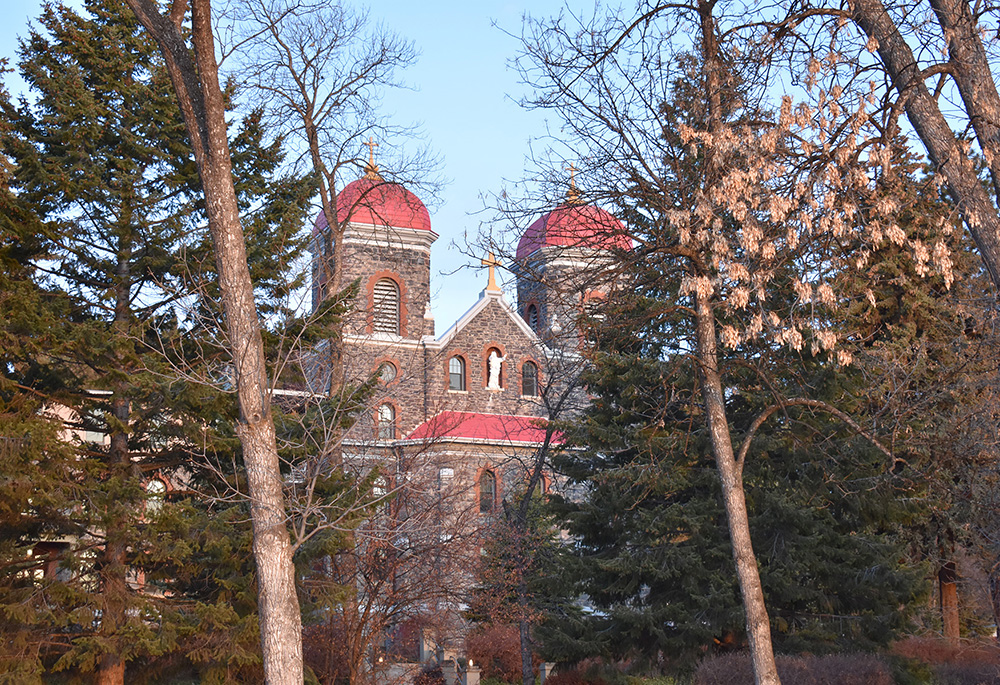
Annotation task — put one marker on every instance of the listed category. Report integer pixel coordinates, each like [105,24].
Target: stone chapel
[475,391]
[458,416]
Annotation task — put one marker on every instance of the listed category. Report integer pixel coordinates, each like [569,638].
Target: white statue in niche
[493,364]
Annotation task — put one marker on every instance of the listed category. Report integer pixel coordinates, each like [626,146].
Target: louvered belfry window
[385,304]
[533,317]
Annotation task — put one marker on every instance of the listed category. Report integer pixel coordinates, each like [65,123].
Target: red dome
[371,201]
[575,225]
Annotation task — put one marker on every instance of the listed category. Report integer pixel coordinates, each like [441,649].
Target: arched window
[487,492]
[529,379]
[386,422]
[531,316]
[445,475]
[385,306]
[155,490]
[380,488]
[456,373]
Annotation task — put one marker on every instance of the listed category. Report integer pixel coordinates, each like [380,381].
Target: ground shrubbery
[573,678]
[431,675]
[833,669]
[917,660]
[965,663]
[320,651]
[923,661]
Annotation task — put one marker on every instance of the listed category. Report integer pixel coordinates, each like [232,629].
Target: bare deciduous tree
[932,61]
[321,69]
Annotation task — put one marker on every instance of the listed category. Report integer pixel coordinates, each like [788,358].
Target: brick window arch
[499,349]
[156,491]
[387,370]
[385,421]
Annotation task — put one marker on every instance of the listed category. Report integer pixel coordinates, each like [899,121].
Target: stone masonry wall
[410,268]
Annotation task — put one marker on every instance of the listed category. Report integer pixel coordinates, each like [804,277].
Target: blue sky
[463,94]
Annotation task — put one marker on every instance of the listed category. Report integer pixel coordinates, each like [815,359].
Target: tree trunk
[977,210]
[757,622]
[110,670]
[114,592]
[973,76]
[332,262]
[524,633]
[994,583]
[113,569]
[948,592]
[203,105]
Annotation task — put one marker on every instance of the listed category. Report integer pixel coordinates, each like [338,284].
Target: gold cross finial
[572,195]
[371,171]
[492,262]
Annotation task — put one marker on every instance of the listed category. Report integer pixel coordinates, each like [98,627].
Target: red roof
[486,427]
[372,201]
[575,225]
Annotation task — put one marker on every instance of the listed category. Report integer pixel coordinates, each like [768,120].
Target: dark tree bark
[113,565]
[524,638]
[195,76]
[994,583]
[948,594]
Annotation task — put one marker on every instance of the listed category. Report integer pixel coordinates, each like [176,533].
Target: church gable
[491,359]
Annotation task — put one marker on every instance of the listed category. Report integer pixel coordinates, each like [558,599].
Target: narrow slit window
[487,492]
[529,379]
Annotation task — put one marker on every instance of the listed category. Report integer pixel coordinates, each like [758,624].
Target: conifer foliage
[742,219]
[105,401]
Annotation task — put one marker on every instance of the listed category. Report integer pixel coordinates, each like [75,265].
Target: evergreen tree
[929,362]
[825,506]
[34,460]
[102,171]
[650,535]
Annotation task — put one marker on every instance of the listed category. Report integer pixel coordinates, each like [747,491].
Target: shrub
[653,680]
[963,663]
[934,650]
[834,669]
[492,681]
[431,675]
[321,652]
[497,650]
[573,678]
[966,674]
